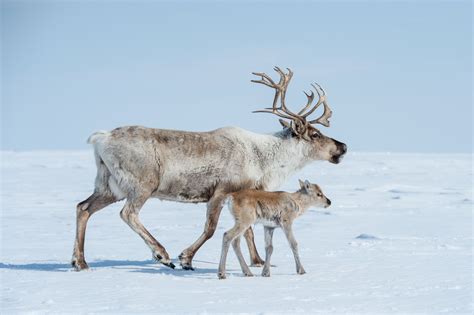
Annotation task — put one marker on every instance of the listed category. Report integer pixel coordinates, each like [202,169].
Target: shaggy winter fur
[136,163]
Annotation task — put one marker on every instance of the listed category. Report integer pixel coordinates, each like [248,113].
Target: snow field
[397,239]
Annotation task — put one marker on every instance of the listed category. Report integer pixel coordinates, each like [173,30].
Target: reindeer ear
[285,124]
[307,184]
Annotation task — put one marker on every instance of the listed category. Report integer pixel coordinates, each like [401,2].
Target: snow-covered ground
[397,239]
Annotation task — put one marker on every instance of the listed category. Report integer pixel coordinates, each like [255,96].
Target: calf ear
[301,183]
[304,187]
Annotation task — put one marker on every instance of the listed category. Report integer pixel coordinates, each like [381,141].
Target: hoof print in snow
[367,237]
[365,241]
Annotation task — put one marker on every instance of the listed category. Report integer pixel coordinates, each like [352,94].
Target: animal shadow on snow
[133,265]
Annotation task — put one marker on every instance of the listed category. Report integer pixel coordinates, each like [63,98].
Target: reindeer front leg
[214,207]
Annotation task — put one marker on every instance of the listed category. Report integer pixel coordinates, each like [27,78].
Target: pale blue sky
[398,74]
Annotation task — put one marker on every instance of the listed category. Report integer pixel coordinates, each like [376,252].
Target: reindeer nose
[329,202]
[343,148]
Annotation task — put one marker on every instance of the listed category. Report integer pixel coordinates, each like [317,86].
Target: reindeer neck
[288,156]
[293,154]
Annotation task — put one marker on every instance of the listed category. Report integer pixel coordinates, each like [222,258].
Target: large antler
[298,123]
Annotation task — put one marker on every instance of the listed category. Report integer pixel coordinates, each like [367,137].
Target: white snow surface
[397,239]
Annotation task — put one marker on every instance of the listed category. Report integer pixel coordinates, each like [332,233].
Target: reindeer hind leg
[84,211]
[101,198]
[129,214]
[214,208]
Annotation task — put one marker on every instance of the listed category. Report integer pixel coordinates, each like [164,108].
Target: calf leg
[240,257]
[129,214]
[228,237]
[214,208]
[294,247]
[254,257]
[268,250]
[84,211]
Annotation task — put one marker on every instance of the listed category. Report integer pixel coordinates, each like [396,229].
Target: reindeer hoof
[79,265]
[248,274]
[164,261]
[301,272]
[185,262]
[266,274]
[187,267]
[169,264]
[221,276]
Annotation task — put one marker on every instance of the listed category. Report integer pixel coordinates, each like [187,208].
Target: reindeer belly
[182,192]
[188,187]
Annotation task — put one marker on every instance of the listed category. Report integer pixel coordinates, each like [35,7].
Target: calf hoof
[79,265]
[185,262]
[265,273]
[221,275]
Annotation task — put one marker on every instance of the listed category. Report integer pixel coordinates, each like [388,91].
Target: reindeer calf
[272,209]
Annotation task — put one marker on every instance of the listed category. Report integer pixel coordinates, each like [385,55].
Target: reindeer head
[322,147]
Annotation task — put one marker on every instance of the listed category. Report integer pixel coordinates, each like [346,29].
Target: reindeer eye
[320,195]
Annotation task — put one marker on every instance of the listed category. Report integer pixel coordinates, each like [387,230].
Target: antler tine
[308,104]
[272,111]
[265,79]
[281,73]
[320,87]
[298,123]
[322,99]
[324,119]
[285,79]
[280,90]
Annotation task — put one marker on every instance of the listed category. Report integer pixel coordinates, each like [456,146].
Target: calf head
[315,193]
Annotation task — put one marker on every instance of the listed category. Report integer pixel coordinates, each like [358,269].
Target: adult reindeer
[136,163]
